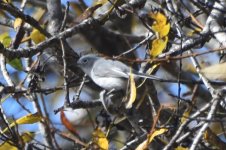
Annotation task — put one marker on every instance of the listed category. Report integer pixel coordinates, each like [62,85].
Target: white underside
[110,83]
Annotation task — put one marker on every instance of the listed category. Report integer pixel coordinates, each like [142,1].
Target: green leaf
[16,63]
[5,39]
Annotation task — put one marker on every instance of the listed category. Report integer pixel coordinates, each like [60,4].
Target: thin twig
[22,5]
[183,125]
[203,78]
[67,99]
[129,145]
[14,11]
[43,125]
[136,47]
[65,17]
[31,51]
[205,125]
[6,22]
[81,104]
[4,71]
[80,88]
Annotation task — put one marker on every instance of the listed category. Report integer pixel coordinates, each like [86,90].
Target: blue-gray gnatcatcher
[108,74]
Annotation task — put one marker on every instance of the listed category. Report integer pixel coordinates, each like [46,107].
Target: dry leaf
[67,123]
[215,72]
[145,144]
[133,91]
[87,13]
[213,139]
[194,31]
[76,7]
[149,71]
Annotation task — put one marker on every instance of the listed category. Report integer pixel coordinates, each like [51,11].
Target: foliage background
[194,27]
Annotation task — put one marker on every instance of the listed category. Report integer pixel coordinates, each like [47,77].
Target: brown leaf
[67,123]
[87,13]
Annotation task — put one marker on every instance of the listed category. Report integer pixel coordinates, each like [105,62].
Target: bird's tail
[151,77]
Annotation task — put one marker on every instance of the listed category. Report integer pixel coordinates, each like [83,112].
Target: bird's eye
[84,61]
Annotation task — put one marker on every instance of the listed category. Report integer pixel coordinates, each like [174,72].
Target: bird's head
[86,63]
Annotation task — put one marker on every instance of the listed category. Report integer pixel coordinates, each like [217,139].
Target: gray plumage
[108,74]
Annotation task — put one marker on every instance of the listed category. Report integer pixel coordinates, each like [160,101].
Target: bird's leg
[108,100]
[103,96]
[111,91]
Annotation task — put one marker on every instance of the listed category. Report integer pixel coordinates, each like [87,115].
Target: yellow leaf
[157,47]
[144,144]
[162,30]
[28,119]
[76,7]
[189,67]
[100,139]
[4,98]
[17,23]
[195,31]
[186,114]
[160,25]
[27,136]
[160,18]
[100,2]
[36,36]
[133,91]
[156,133]
[149,71]
[7,1]
[8,145]
[215,72]
[39,13]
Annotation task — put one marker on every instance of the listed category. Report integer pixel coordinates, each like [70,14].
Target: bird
[107,73]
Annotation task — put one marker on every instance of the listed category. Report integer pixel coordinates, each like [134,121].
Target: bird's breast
[110,83]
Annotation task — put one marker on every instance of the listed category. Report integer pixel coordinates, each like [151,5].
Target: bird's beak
[78,63]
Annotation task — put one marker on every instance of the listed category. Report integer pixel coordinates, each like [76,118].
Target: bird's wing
[110,68]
